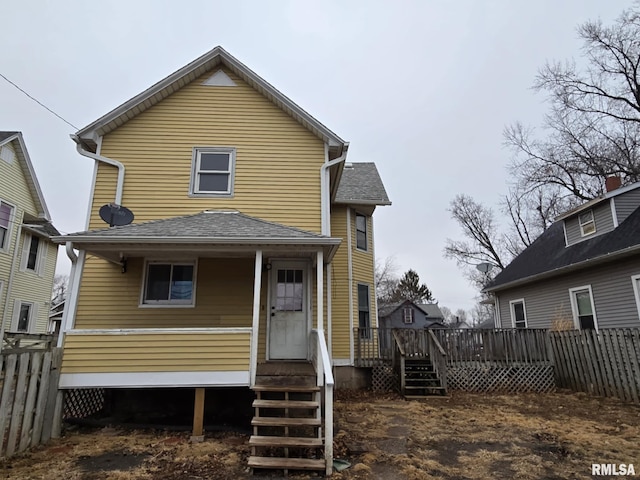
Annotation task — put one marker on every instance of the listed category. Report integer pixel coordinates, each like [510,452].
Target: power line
[39,102]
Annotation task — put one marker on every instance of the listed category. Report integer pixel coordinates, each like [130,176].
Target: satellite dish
[116,215]
[485,267]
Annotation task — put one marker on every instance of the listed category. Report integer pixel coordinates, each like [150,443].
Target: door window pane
[289,290]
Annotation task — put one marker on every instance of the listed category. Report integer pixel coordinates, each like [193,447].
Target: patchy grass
[467,436]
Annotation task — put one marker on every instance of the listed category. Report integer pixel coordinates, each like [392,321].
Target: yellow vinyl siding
[27,286]
[340,286]
[110,299]
[277,172]
[363,270]
[156,352]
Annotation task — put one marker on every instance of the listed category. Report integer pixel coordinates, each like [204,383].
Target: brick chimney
[612,183]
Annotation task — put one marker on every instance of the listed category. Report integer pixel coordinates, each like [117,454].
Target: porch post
[253,355]
[320,290]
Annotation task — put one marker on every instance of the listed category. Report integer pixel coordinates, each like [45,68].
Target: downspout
[10,284]
[70,288]
[108,161]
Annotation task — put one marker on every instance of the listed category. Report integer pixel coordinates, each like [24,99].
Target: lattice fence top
[515,379]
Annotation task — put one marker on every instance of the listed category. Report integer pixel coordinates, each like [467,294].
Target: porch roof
[204,232]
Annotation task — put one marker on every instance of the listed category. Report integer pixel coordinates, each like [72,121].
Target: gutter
[566,269]
[197,240]
[108,161]
[324,182]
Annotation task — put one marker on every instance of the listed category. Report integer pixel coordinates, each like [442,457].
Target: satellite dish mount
[116,215]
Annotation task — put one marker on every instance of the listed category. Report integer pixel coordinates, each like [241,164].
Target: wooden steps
[287,425]
[420,379]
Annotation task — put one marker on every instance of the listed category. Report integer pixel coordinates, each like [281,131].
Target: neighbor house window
[7,154]
[587,223]
[635,280]
[361,232]
[212,172]
[33,254]
[6,214]
[169,284]
[518,314]
[407,314]
[364,319]
[23,314]
[584,316]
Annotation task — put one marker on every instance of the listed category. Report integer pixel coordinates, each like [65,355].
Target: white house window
[34,253]
[23,315]
[518,313]
[169,284]
[587,223]
[361,232]
[407,314]
[6,214]
[364,318]
[32,256]
[212,172]
[7,154]
[635,280]
[584,316]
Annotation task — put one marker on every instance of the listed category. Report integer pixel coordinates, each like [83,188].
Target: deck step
[422,387]
[273,441]
[285,404]
[285,422]
[286,388]
[286,463]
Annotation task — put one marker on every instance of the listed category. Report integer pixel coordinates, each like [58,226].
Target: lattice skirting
[383,379]
[513,379]
[82,402]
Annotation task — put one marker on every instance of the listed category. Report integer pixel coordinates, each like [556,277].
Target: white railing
[322,363]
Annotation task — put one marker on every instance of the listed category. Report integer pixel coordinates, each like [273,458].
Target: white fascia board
[363,202]
[89,240]
[154,379]
[206,62]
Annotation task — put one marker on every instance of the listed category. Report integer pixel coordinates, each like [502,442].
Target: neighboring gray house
[582,272]
[410,315]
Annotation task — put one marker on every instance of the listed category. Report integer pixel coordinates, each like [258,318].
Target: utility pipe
[324,190]
[108,161]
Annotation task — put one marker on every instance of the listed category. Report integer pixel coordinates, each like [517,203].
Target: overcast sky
[422,88]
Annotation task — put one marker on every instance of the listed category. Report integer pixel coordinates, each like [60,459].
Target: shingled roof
[361,185]
[548,255]
[208,225]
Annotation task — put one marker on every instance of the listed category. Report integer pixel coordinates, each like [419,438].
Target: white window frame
[364,335]
[17,306]
[41,255]
[366,232]
[574,306]
[195,171]
[591,222]
[408,319]
[12,216]
[167,303]
[635,281]
[7,154]
[512,309]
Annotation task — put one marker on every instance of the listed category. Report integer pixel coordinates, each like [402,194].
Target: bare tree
[60,284]
[386,280]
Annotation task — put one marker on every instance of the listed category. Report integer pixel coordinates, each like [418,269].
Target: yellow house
[27,255]
[251,252]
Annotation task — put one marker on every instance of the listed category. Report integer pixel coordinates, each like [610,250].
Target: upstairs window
[6,215]
[169,284]
[364,318]
[407,315]
[34,253]
[361,232]
[7,154]
[587,223]
[32,256]
[212,172]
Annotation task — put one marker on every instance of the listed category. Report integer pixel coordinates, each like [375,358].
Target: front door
[288,326]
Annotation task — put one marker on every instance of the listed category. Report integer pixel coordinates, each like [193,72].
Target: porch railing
[373,346]
[322,363]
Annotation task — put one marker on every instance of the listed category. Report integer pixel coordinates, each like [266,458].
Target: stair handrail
[439,361]
[325,378]
[399,347]
[399,343]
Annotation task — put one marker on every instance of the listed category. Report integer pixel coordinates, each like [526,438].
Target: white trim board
[155,379]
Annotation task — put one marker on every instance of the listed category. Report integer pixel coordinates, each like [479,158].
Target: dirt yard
[463,436]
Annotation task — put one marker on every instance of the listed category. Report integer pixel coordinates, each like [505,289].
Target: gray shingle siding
[602,216]
[613,296]
[626,204]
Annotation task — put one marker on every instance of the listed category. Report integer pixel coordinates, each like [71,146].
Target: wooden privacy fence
[605,363]
[30,404]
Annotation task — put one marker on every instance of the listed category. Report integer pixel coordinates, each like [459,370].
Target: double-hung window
[635,280]
[518,313]
[584,315]
[587,223]
[6,216]
[23,315]
[212,172]
[407,315]
[364,317]
[361,232]
[169,284]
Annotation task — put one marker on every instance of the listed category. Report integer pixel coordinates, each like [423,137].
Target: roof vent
[348,165]
[612,183]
